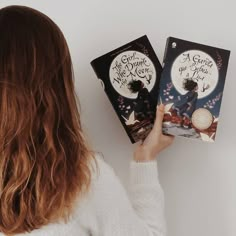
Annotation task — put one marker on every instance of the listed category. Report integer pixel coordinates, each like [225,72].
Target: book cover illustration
[191,88]
[130,76]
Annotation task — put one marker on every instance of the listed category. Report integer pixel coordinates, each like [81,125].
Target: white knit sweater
[108,211]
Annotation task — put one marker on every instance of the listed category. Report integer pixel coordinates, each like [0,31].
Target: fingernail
[161,107]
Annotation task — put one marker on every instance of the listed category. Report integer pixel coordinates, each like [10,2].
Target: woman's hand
[155,142]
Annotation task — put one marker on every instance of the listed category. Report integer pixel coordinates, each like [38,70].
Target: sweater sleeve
[140,214]
[147,196]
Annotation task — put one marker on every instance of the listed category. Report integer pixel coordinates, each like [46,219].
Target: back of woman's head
[43,155]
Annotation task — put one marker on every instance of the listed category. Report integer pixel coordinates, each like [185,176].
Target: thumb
[159,118]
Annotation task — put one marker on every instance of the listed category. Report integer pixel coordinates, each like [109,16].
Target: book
[130,77]
[191,88]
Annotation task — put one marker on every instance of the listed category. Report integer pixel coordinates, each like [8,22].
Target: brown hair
[44,159]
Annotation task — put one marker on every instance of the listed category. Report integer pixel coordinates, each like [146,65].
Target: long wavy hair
[44,158]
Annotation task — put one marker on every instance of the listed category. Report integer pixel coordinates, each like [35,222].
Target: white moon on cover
[128,66]
[197,66]
[202,118]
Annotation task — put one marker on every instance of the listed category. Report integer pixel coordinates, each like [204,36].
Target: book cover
[130,76]
[191,88]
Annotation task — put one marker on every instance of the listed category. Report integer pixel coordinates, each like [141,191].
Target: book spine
[94,68]
[165,53]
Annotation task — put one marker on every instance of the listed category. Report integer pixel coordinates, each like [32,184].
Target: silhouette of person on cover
[187,103]
[144,105]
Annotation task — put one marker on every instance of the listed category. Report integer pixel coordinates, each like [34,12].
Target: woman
[51,183]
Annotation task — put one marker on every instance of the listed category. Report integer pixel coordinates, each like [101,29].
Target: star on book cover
[191,88]
[130,76]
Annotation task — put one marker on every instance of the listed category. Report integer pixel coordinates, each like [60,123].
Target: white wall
[199,179]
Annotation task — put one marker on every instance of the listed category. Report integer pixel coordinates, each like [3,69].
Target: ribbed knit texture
[107,210]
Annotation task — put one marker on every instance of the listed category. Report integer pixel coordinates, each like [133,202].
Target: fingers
[159,118]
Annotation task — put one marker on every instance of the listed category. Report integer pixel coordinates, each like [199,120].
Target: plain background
[199,179]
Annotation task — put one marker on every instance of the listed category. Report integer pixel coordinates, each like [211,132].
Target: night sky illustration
[169,94]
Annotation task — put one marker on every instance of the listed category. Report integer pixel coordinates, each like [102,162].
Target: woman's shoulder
[105,186]
[98,195]
[100,168]
[103,180]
